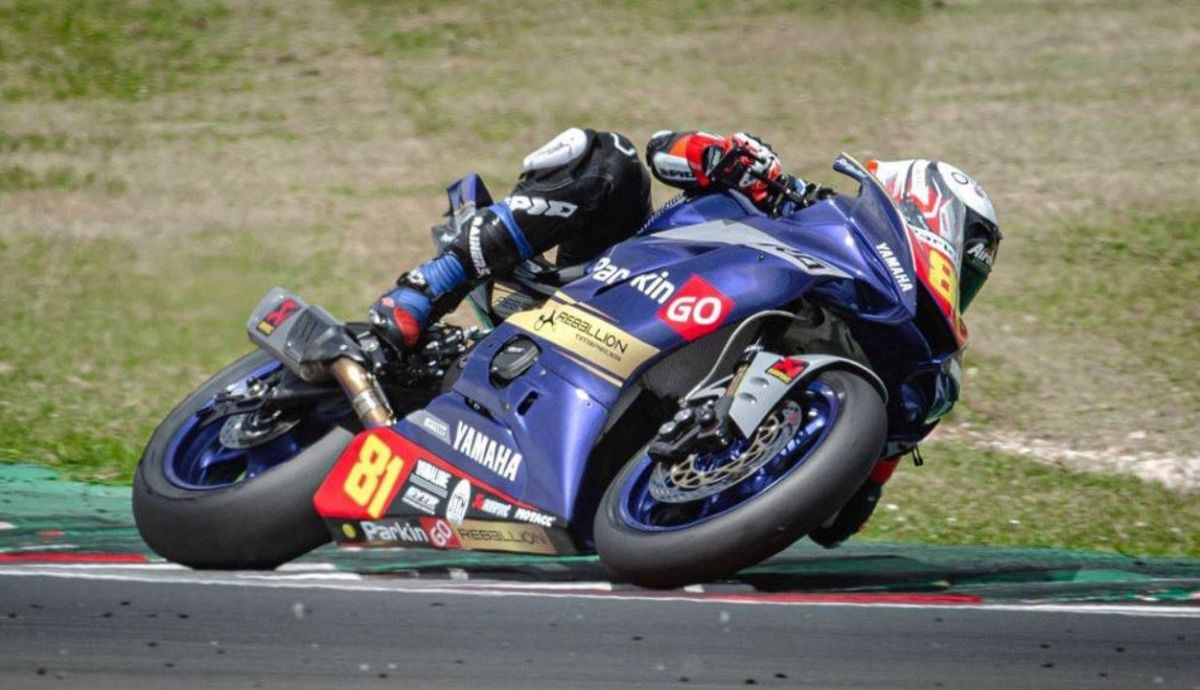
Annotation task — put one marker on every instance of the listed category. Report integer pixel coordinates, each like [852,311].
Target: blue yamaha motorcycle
[691,402]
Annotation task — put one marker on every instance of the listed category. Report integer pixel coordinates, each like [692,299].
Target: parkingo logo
[654,285]
[696,310]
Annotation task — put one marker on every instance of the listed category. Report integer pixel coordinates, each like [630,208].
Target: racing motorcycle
[688,404]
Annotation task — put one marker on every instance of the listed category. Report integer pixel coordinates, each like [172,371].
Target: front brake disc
[237,432]
[700,476]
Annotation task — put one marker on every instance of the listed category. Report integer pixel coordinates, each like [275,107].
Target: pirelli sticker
[611,353]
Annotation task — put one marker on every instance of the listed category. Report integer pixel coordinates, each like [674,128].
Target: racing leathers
[583,191]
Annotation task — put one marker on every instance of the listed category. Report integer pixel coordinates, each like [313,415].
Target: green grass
[127,50]
[1135,282]
[964,495]
[19,178]
[109,335]
[163,162]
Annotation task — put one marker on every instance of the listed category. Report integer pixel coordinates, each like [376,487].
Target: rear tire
[766,523]
[256,524]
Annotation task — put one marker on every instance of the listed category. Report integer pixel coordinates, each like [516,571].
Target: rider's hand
[745,163]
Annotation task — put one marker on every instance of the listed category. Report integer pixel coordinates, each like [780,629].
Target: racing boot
[401,315]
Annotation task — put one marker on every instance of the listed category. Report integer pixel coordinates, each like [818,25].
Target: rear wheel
[210,492]
[713,515]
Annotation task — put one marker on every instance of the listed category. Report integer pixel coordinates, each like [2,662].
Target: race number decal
[372,479]
[942,278]
[696,310]
[365,480]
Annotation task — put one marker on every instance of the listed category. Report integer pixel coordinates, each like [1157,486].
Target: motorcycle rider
[586,190]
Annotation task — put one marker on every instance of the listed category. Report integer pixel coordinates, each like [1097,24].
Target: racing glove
[698,160]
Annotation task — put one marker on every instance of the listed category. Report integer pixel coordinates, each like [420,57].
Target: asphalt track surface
[144,626]
[84,604]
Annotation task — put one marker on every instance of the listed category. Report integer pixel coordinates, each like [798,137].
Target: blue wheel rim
[641,511]
[196,459]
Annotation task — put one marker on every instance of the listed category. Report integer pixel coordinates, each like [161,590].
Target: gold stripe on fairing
[588,336]
[594,370]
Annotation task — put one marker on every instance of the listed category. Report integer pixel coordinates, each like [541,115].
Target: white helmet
[947,203]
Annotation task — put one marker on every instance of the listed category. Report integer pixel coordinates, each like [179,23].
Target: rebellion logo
[587,335]
[505,536]
[486,451]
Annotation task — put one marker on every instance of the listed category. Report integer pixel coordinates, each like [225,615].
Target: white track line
[269,582]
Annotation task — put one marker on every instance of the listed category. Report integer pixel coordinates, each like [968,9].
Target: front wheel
[712,515]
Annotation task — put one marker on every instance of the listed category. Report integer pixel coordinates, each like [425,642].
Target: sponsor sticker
[277,316]
[787,368]
[486,451]
[431,477]
[394,532]
[505,536]
[456,507]
[421,499]
[432,424]
[654,285]
[696,310]
[893,264]
[533,516]
[441,534]
[587,335]
[491,506]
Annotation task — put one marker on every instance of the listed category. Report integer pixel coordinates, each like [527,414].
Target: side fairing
[699,266]
[645,298]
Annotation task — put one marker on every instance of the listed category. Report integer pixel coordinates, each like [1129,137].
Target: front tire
[255,524]
[805,494]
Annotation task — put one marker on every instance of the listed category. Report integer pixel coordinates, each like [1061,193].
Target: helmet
[941,199]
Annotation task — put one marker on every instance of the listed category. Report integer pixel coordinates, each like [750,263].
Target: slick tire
[763,525]
[257,524]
